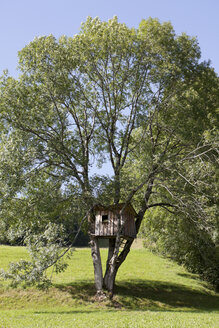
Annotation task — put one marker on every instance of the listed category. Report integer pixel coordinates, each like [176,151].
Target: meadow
[150,292]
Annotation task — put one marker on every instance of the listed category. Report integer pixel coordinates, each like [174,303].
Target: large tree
[138,99]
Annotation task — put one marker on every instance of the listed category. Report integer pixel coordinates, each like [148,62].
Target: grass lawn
[150,292]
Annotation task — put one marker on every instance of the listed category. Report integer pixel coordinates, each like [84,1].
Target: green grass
[150,292]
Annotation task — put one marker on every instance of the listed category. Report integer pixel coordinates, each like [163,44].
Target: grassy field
[150,292]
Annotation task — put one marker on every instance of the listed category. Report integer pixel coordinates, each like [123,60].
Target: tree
[136,98]
[189,237]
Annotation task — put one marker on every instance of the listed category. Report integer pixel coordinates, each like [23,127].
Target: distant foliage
[186,239]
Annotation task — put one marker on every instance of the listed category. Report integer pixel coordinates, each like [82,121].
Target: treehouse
[104,223]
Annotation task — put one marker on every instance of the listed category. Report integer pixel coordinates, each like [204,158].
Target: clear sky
[22,20]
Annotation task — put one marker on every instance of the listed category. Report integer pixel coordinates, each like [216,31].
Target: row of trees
[188,237]
[138,99]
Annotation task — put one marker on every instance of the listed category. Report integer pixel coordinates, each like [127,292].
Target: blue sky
[22,20]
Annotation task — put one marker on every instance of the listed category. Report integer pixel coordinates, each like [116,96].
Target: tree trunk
[107,272]
[114,262]
[98,274]
[109,279]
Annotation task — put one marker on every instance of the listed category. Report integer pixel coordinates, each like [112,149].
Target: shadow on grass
[163,295]
[80,291]
[147,295]
[190,276]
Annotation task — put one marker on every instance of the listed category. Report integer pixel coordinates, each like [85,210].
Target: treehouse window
[104,218]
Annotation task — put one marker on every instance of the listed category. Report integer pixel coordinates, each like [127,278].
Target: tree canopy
[137,99]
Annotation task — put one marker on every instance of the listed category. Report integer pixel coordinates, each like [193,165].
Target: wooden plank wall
[107,228]
[129,228]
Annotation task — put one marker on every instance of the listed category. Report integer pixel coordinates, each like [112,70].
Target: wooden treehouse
[104,223]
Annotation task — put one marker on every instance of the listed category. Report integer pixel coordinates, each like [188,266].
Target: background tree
[137,98]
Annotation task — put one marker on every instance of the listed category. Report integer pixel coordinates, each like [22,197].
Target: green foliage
[45,250]
[137,98]
[188,230]
[188,236]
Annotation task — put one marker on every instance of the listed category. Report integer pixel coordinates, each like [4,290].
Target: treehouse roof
[115,207]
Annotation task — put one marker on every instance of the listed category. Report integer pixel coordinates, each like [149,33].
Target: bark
[117,187]
[110,254]
[98,274]
[109,278]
